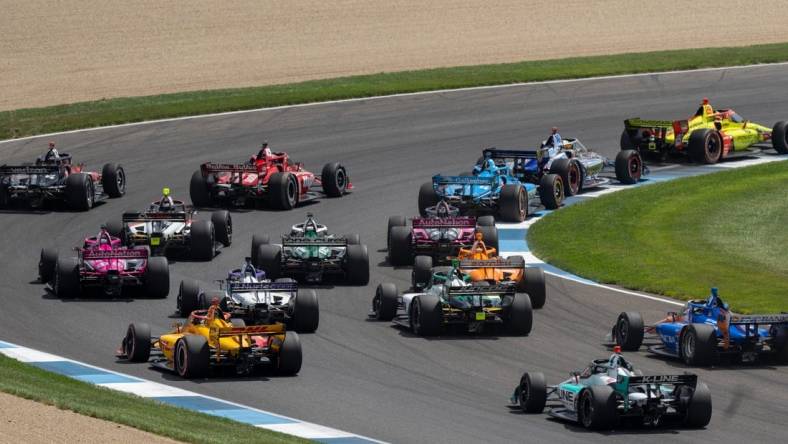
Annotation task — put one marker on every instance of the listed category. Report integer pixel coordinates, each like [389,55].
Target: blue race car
[704,331]
[492,187]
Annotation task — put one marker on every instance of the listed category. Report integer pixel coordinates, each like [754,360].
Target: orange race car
[483,265]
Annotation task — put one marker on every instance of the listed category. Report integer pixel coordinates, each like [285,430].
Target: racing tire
[781,344]
[288,363]
[698,345]
[113,180]
[394,221]
[400,242]
[533,283]
[203,240]
[269,259]
[427,198]
[188,298]
[47,261]
[705,146]
[115,228]
[5,199]
[519,316]
[596,408]
[485,221]
[571,174]
[306,312]
[283,191]
[357,264]
[223,226]
[629,167]
[422,271]
[489,236]
[206,299]
[629,331]
[551,191]
[136,344]
[513,203]
[192,357]
[532,392]
[286,280]
[67,281]
[257,241]
[780,137]
[80,192]
[626,142]
[698,413]
[334,179]
[157,278]
[384,304]
[426,315]
[352,239]
[198,190]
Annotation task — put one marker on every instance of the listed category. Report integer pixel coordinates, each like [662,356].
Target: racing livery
[247,294]
[450,299]
[705,331]
[60,180]
[104,263]
[707,136]
[439,235]
[310,253]
[611,390]
[210,339]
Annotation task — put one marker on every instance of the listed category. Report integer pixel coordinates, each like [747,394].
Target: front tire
[47,263]
[532,395]
[629,167]
[136,345]
[113,180]
[780,137]
[334,179]
[384,304]
[551,191]
[629,331]
[67,282]
[513,203]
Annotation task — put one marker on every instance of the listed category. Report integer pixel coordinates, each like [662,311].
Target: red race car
[270,177]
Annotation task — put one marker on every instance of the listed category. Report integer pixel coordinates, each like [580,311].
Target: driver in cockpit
[165,203]
[103,239]
[310,226]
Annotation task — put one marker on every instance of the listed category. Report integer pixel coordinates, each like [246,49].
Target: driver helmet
[554,130]
[165,203]
[310,225]
[104,239]
[442,209]
[247,269]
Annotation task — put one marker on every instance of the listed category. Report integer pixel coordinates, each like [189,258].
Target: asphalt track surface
[368,377]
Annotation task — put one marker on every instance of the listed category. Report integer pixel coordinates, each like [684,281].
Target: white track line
[437,91]
[617,290]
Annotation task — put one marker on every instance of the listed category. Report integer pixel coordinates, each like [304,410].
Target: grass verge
[31,382]
[680,238]
[26,122]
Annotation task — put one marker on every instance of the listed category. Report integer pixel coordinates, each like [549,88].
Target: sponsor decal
[656,379]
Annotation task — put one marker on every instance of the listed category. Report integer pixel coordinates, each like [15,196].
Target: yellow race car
[707,136]
[210,339]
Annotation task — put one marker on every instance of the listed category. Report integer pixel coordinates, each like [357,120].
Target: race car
[491,188]
[482,264]
[610,391]
[247,294]
[211,339]
[310,253]
[60,180]
[707,136]
[705,331]
[105,264]
[439,235]
[170,227]
[450,299]
[273,178]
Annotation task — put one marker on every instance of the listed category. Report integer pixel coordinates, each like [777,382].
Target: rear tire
[513,203]
[597,407]
[532,396]
[306,312]
[283,191]
[288,362]
[269,259]
[257,241]
[192,356]
[422,271]
[629,331]
[698,414]
[780,137]
[357,264]
[113,180]
[157,278]
[705,146]
[485,221]
[427,198]
[535,286]
[626,142]
[188,297]
[699,345]
[401,240]
[334,179]
[223,227]
[136,345]
[80,192]
[47,262]
[571,174]
[489,236]
[629,167]
[384,304]
[202,240]
[394,221]
[551,191]
[67,281]
[426,315]
[352,239]
[115,228]
[520,316]
[198,190]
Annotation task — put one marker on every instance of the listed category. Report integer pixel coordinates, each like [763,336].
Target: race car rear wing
[637,122]
[248,287]
[495,153]
[7,170]
[491,263]
[688,380]
[756,319]
[209,168]
[293,241]
[114,254]
[462,180]
[255,330]
[153,216]
[444,222]
[492,290]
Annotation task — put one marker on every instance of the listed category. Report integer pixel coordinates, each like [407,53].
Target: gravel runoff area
[65,52]
[22,420]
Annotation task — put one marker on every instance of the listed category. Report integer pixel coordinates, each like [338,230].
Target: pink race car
[440,235]
[103,262]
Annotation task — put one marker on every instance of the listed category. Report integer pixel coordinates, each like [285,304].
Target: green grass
[27,122]
[31,382]
[679,238]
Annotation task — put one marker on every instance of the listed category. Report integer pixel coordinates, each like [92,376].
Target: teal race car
[611,391]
